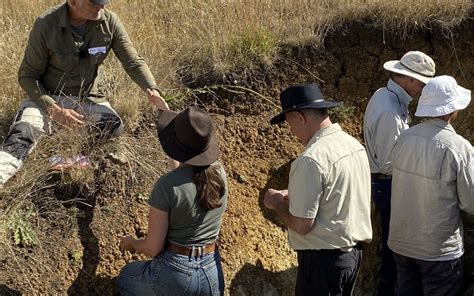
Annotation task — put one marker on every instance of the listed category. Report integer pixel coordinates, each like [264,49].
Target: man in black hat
[327,204]
[67,44]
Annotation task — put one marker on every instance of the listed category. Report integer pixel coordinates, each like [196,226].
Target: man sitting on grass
[67,44]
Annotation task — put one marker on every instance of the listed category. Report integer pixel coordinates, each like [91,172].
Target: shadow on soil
[278,180]
[86,282]
[89,242]
[255,280]
[5,290]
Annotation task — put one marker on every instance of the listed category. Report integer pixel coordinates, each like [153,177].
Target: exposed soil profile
[79,252]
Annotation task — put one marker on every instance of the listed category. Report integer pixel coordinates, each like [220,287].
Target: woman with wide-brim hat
[186,209]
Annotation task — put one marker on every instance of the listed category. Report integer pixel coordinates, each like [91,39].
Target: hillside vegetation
[182,42]
[195,37]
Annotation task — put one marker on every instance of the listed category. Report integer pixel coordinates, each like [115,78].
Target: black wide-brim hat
[303,96]
[188,136]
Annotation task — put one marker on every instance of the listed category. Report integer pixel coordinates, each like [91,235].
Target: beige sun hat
[441,96]
[414,64]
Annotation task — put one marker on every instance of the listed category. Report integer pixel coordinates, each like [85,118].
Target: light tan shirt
[330,182]
[433,175]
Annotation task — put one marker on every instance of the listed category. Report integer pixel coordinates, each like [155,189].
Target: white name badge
[96,50]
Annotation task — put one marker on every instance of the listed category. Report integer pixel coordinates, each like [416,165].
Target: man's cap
[441,96]
[188,136]
[100,2]
[414,64]
[298,97]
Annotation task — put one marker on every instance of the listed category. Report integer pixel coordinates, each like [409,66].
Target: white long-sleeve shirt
[433,179]
[385,118]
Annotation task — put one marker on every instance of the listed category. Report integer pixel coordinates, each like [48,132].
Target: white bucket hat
[414,64]
[442,95]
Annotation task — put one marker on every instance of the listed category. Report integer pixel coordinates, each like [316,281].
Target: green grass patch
[251,46]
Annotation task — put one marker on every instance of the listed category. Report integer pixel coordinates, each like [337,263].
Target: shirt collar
[402,95]
[440,123]
[63,18]
[331,129]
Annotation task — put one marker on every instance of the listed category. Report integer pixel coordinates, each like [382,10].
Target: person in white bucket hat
[433,179]
[442,97]
[385,118]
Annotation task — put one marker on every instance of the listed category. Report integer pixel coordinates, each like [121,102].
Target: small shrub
[342,112]
[76,256]
[19,225]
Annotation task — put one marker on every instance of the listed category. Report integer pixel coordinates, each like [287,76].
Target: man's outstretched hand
[156,99]
[65,117]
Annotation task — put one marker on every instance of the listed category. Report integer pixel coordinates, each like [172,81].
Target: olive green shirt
[59,61]
[189,224]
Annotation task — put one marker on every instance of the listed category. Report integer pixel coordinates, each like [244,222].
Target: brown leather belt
[191,251]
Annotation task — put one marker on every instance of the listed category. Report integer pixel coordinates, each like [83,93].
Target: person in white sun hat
[385,118]
[433,174]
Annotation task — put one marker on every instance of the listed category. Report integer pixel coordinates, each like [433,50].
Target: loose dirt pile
[80,221]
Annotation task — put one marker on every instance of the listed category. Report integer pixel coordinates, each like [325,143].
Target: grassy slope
[201,36]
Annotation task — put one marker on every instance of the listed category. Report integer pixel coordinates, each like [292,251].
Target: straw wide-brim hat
[188,136]
[441,96]
[414,64]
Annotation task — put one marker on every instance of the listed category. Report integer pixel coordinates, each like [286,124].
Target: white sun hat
[442,95]
[414,64]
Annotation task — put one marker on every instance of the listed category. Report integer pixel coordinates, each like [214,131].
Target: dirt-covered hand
[65,117]
[156,99]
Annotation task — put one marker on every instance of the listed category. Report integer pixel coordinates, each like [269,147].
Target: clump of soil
[79,223]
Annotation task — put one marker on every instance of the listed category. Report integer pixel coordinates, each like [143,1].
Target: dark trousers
[327,272]
[381,195]
[429,278]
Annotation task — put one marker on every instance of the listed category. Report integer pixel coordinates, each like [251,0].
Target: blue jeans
[381,195]
[173,274]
